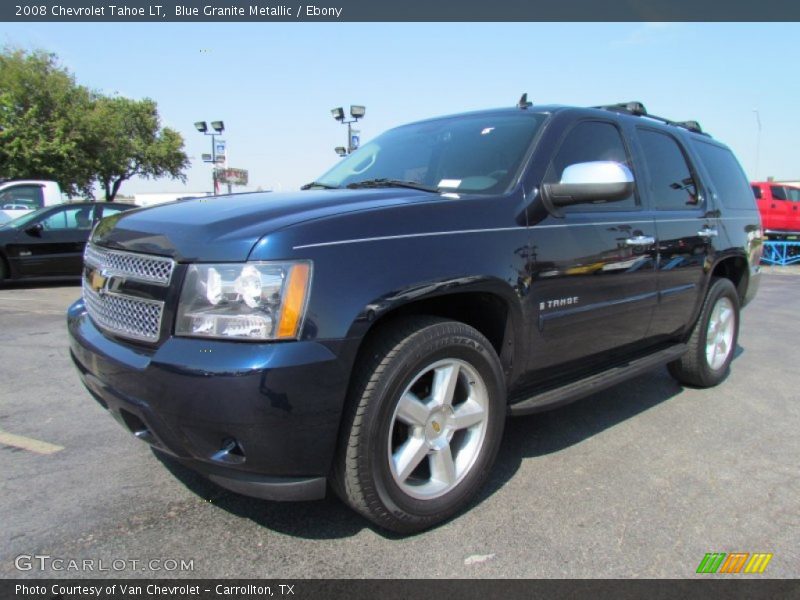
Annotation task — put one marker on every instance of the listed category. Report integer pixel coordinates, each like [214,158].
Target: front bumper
[259,419]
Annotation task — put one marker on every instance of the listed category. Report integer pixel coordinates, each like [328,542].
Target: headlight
[244,301]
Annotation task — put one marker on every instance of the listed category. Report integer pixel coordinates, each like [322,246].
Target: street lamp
[356,112]
[758,142]
[218,127]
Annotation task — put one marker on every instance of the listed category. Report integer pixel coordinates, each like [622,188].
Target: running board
[575,390]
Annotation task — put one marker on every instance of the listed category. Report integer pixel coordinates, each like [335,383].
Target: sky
[273,84]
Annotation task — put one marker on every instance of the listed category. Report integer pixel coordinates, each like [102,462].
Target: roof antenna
[523,102]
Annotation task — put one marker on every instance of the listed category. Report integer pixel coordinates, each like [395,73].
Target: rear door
[686,227]
[792,209]
[593,287]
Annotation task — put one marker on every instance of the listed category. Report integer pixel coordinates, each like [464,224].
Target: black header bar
[400,10]
[710,588]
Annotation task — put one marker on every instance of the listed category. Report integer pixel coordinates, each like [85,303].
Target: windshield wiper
[314,184]
[376,183]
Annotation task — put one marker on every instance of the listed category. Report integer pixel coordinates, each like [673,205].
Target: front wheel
[713,341]
[427,411]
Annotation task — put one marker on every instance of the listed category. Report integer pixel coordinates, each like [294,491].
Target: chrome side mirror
[597,181]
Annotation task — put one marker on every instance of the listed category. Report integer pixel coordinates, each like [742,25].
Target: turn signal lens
[294,301]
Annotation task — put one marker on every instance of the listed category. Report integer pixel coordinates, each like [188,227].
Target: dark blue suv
[374,330]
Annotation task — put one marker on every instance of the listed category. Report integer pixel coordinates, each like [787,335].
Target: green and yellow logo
[735,562]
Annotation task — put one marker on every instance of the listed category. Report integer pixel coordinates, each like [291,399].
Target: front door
[593,286]
[53,245]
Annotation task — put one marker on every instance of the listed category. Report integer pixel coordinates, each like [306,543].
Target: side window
[591,141]
[793,194]
[109,210]
[22,197]
[727,177]
[778,192]
[756,191]
[78,217]
[671,182]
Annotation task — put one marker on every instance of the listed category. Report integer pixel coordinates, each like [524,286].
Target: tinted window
[25,197]
[756,191]
[727,178]
[77,217]
[587,142]
[475,153]
[671,183]
[109,210]
[793,194]
[778,192]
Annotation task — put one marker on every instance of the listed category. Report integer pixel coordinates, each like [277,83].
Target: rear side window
[778,192]
[672,184]
[756,191]
[727,177]
[109,210]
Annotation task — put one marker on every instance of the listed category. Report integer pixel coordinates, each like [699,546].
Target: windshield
[473,153]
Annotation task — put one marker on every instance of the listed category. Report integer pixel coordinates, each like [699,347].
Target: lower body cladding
[258,419]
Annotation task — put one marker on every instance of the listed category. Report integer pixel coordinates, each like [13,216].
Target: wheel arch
[734,267]
[488,305]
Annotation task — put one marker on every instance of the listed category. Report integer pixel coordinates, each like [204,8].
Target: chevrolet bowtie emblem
[436,427]
[99,281]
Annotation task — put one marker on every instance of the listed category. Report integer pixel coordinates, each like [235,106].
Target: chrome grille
[153,269]
[135,318]
[113,310]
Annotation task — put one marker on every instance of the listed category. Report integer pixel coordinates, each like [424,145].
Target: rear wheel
[713,341]
[427,414]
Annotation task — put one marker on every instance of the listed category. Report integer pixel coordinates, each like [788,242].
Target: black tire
[3,269]
[365,475]
[694,368]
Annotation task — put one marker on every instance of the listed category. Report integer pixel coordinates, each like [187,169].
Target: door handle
[640,240]
[708,233]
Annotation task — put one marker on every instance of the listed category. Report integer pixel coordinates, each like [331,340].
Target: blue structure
[781,253]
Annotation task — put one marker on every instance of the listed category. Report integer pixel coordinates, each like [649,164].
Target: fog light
[231,453]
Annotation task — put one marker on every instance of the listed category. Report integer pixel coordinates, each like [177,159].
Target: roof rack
[637,109]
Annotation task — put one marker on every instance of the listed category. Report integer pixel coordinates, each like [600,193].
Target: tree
[53,128]
[125,139]
[41,112]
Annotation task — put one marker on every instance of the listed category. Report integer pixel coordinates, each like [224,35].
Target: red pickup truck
[779,206]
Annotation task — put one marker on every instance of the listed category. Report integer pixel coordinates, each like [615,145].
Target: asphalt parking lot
[641,480]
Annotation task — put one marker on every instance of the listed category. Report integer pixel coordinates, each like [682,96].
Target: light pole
[218,127]
[356,112]
[758,142]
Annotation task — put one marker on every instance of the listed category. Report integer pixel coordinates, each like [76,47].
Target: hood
[225,228]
